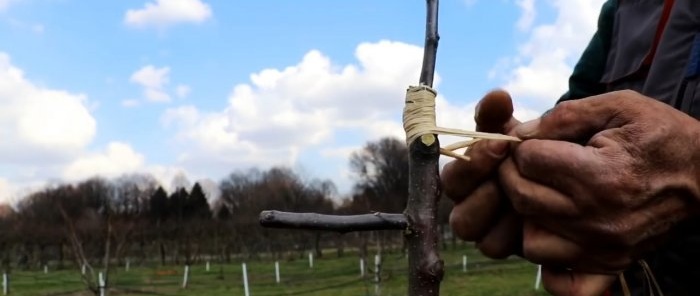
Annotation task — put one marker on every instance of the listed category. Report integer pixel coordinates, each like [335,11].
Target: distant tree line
[98,221]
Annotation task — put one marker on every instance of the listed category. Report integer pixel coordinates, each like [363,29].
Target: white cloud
[151,77]
[41,129]
[130,103]
[182,116]
[541,69]
[117,159]
[6,191]
[153,80]
[45,133]
[283,111]
[182,91]
[165,13]
[36,28]
[339,152]
[310,108]
[528,14]
[38,124]
[4,4]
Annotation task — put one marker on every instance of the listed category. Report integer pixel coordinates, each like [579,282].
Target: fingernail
[527,129]
[497,148]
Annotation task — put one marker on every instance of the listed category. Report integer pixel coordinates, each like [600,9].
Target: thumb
[579,120]
[459,178]
[494,112]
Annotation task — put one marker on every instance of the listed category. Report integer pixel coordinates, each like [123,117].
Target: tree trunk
[317,244]
[161,247]
[142,251]
[425,265]
[107,257]
[42,255]
[188,251]
[60,255]
[340,245]
[363,245]
[6,256]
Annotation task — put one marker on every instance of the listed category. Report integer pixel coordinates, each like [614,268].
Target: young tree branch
[431,44]
[337,223]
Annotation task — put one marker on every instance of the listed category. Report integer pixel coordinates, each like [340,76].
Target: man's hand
[481,212]
[601,180]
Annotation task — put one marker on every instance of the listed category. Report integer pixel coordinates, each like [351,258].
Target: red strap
[668,4]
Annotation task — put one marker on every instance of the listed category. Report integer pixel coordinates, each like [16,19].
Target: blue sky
[204,88]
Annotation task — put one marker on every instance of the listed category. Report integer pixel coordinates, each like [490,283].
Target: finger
[531,198]
[494,112]
[542,246]
[565,166]
[471,218]
[557,179]
[504,238]
[637,229]
[579,119]
[562,282]
[460,178]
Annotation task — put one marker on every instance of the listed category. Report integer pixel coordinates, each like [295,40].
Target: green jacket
[585,80]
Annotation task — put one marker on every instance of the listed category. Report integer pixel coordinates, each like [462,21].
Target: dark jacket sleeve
[585,79]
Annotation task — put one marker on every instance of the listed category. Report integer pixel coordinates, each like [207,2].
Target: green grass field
[330,276]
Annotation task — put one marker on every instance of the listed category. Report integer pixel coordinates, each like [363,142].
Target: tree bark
[60,255]
[317,245]
[424,263]
[375,221]
[108,254]
[340,245]
[161,246]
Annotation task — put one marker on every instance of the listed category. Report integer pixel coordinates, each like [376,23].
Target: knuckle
[531,249]
[462,226]
[495,251]
[626,93]
[618,233]
[482,158]
[449,179]
[621,190]
[564,112]
[519,199]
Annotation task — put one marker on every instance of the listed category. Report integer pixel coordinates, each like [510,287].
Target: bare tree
[382,171]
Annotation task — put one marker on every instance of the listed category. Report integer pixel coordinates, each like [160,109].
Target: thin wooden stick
[337,223]
[431,44]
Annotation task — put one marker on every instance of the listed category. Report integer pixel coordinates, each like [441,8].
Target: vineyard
[328,276]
